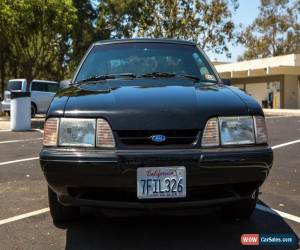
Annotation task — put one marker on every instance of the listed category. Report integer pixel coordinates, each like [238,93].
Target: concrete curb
[36,123]
[4,118]
[282,112]
[4,125]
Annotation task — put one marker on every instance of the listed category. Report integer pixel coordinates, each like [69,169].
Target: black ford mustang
[148,124]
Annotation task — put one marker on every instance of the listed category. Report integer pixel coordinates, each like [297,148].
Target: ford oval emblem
[158,138]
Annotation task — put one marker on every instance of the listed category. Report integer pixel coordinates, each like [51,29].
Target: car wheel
[33,110]
[59,212]
[242,209]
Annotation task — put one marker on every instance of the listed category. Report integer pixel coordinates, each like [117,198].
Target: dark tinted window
[142,58]
[44,86]
[52,87]
[14,85]
[39,86]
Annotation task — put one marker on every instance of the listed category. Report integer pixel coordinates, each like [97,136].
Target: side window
[39,86]
[14,85]
[52,87]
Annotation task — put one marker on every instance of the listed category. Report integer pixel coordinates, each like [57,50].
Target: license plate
[161,182]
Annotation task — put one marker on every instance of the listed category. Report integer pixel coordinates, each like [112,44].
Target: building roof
[277,65]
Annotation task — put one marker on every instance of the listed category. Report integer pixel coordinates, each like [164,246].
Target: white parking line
[278,213]
[286,144]
[34,129]
[17,161]
[38,130]
[23,216]
[34,139]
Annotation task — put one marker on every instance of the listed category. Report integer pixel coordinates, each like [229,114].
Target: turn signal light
[105,137]
[211,133]
[260,130]
[50,132]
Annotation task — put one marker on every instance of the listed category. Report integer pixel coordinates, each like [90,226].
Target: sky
[245,14]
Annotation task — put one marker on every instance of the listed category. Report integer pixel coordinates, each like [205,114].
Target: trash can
[264,104]
[20,111]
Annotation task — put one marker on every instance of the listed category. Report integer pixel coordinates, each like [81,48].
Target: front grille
[7,96]
[143,137]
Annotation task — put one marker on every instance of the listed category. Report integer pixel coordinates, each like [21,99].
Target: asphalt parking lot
[25,222]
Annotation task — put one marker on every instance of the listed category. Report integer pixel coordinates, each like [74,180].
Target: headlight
[236,130]
[77,132]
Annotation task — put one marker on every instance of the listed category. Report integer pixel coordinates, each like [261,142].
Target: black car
[148,124]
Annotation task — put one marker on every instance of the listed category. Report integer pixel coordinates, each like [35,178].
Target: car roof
[35,80]
[145,40]
[46,81]
[13,80]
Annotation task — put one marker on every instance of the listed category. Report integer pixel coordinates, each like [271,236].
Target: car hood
[153,104]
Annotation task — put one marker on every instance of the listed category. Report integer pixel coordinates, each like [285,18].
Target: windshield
[144,58]
[14,85]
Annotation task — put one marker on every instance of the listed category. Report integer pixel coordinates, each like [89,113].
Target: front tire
[241,210]
[59,212]
[33,110]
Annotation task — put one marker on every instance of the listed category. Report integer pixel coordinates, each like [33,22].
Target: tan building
[273,82]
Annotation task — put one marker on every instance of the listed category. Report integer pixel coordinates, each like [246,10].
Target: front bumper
[5,106]
[107,178]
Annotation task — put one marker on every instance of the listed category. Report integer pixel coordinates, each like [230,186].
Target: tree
[207,22]
[83,34]
[4,55]
[4,48]
[276,30]
[38,36]
[119,19]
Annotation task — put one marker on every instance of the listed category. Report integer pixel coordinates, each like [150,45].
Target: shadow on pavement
[207,231]
[37,123]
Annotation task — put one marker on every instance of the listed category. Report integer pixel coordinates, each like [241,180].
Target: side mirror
[226,81]
[64,84]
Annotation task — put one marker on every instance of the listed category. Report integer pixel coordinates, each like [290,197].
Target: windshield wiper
[197,79]
[158,74]
[95,78]
[167,74]
[105,77]
[193,77]
[126,75]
